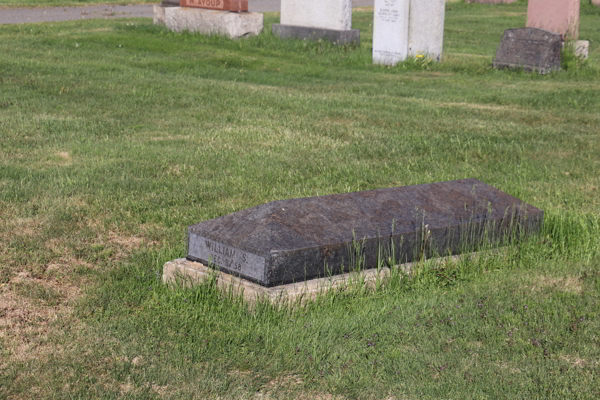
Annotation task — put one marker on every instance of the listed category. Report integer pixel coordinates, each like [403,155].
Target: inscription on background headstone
[529,48]
[300,239]
[390,31]
[223,5]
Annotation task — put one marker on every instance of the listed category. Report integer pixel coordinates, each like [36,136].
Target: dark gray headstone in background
[299,239]
[529,48]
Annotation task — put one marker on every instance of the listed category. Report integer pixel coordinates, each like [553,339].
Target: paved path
[25,15]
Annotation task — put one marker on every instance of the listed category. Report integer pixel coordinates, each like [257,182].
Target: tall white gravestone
[407,28]
[426,28]
[390,31]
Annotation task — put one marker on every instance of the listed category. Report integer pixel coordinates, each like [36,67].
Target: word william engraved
[225,256]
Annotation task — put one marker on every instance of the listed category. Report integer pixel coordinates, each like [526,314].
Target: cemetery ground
[117,134]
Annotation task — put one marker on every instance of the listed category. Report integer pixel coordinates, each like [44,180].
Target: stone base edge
[530,68]
[159,14]
[303,32]
[187,273]
[582,48]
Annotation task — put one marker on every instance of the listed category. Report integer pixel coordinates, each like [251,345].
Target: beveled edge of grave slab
[187,273]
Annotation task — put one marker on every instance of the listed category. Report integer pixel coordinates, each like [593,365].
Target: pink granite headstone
[560,16]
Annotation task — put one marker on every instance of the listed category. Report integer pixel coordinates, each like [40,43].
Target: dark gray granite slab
[529,48]
[303,32]
[299,239]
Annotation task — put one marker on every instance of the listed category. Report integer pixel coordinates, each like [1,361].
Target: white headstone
[390,31]
[426,28]
[325,14]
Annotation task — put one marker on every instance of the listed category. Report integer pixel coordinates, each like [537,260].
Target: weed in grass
[569,58]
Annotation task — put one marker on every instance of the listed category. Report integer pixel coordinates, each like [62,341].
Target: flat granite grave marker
[296,240]
[529,48]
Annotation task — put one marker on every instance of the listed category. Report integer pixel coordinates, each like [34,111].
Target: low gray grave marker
[317,19]
[529,48]
[300,239]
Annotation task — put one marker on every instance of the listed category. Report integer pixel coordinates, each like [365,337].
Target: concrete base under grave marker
[189,273]
[426,28]
[560,16]
[582,48]
[390,31]
[210,22]
[317,19]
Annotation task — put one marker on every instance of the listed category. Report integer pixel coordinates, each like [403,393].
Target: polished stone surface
[529,48]
[300,239]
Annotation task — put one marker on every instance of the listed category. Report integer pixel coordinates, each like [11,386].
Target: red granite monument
[222,5]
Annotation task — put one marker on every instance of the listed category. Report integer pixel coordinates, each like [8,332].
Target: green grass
[116,135]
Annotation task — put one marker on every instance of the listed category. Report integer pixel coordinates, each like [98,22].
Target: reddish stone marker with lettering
[223,5]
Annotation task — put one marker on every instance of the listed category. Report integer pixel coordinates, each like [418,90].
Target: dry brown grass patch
[578,362]
[28,320]
[569,284]
[23,226]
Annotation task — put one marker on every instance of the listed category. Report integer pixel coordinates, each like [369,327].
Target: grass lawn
[117,134]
